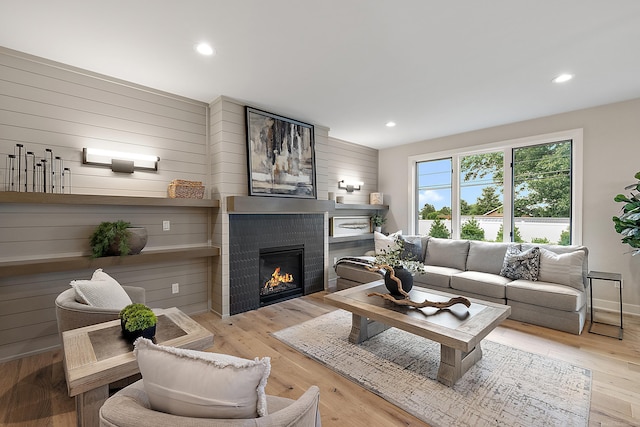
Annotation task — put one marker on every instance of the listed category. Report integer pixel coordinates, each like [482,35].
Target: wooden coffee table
[458,329]
[97,355]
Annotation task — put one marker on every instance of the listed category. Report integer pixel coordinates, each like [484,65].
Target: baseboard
[614,307]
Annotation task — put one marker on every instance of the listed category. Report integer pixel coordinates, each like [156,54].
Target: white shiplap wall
[49,105]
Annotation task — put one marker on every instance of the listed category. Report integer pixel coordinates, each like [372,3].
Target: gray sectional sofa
[557,299]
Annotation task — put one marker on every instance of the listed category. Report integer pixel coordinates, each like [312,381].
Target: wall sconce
[119,161]
[350,186]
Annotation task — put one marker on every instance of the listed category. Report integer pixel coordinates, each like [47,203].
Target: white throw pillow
[384,243]
[565,269]
[105,292]
[194,383]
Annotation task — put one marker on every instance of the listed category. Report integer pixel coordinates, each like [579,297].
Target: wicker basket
[182,189]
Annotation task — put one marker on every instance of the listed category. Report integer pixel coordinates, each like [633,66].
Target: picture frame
[341,226]
[280,156]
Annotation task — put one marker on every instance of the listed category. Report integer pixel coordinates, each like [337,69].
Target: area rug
[507,387]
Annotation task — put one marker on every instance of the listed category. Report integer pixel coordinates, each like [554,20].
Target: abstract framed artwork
[341,226]
[280,156]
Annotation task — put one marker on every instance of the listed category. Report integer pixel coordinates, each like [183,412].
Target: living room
[49,103]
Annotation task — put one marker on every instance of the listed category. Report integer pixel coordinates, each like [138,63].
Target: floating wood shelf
[340,239]
[88,199]
[70,263]
[347,206]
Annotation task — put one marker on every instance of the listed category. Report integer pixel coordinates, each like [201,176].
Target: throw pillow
[101,293]
[521,264]
[412,248]
[384,243]
[194,383]
[565,269]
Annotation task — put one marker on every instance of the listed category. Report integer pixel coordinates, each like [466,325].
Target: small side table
[613,277]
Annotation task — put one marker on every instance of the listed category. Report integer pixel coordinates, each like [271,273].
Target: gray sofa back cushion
[447,253]
[486,257]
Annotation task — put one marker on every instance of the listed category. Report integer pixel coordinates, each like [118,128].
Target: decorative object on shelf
[117,238]
[376,199]
[183,189]
[24,172]
[331,195]
[119,161]
[350,186]
[349,226]
[377,220]
[281,156]
[628,223]
[339,199]
[138,320]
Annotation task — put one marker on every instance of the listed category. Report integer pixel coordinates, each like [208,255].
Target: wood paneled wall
[44,104]
[48,105]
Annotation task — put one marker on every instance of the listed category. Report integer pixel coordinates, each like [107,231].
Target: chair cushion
[101,291]
[565,269]
[199,384]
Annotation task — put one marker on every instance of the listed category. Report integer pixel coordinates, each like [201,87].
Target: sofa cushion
[480,283]
[565,269]
[546,294]
[486,256]
[384,243]
[447,253]
[348,269]
[436,276]
[520,264]
[194,383]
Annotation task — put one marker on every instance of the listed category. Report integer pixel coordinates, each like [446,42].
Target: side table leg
[88,406]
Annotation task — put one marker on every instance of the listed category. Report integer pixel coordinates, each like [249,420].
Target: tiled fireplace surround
[249,233]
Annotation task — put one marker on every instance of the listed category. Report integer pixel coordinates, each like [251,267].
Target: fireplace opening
[281,274]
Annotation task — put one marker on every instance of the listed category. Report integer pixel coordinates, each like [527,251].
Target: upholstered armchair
[72,314]
[130,408]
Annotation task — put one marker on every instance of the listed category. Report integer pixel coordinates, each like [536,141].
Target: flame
[277,278]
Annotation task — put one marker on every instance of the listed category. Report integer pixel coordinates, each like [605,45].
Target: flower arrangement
[377,220]
[137,317]
[397,256]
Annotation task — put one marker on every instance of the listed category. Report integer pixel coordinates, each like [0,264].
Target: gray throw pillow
[412,248]
[521,264]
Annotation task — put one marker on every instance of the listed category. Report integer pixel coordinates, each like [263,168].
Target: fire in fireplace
[281,274]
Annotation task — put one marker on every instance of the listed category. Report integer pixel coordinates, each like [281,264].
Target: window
[523,191]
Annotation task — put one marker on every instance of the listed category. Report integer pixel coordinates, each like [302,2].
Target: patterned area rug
[507,387]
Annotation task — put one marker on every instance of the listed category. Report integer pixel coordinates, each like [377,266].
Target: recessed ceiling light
[390,124]
[563,78]
[205,49]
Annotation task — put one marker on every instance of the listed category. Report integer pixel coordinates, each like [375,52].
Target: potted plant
[397,262]
[628,223]
[138,320]
[377,220]
[117,238]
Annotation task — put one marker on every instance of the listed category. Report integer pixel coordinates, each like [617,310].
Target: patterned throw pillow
[521,264]
[412,248]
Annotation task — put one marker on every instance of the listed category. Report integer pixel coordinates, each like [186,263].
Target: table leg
[88,406]
[362,329]
[454,363]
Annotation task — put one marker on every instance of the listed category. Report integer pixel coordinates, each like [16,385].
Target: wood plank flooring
[33,389]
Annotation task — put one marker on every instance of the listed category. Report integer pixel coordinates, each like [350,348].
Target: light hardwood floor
[33,389]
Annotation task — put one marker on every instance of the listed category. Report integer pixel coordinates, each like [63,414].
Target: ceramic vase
[405,276]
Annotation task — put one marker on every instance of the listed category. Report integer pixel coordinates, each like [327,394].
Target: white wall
[611,158]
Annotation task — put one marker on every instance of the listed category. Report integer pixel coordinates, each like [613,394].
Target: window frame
[506,146]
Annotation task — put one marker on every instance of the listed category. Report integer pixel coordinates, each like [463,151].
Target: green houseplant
[628,223]
[377,220]
[138,320]
[117,238]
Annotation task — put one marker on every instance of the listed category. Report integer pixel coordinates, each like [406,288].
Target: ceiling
[434,67]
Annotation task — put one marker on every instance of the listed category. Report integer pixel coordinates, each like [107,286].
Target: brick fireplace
[294,243]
